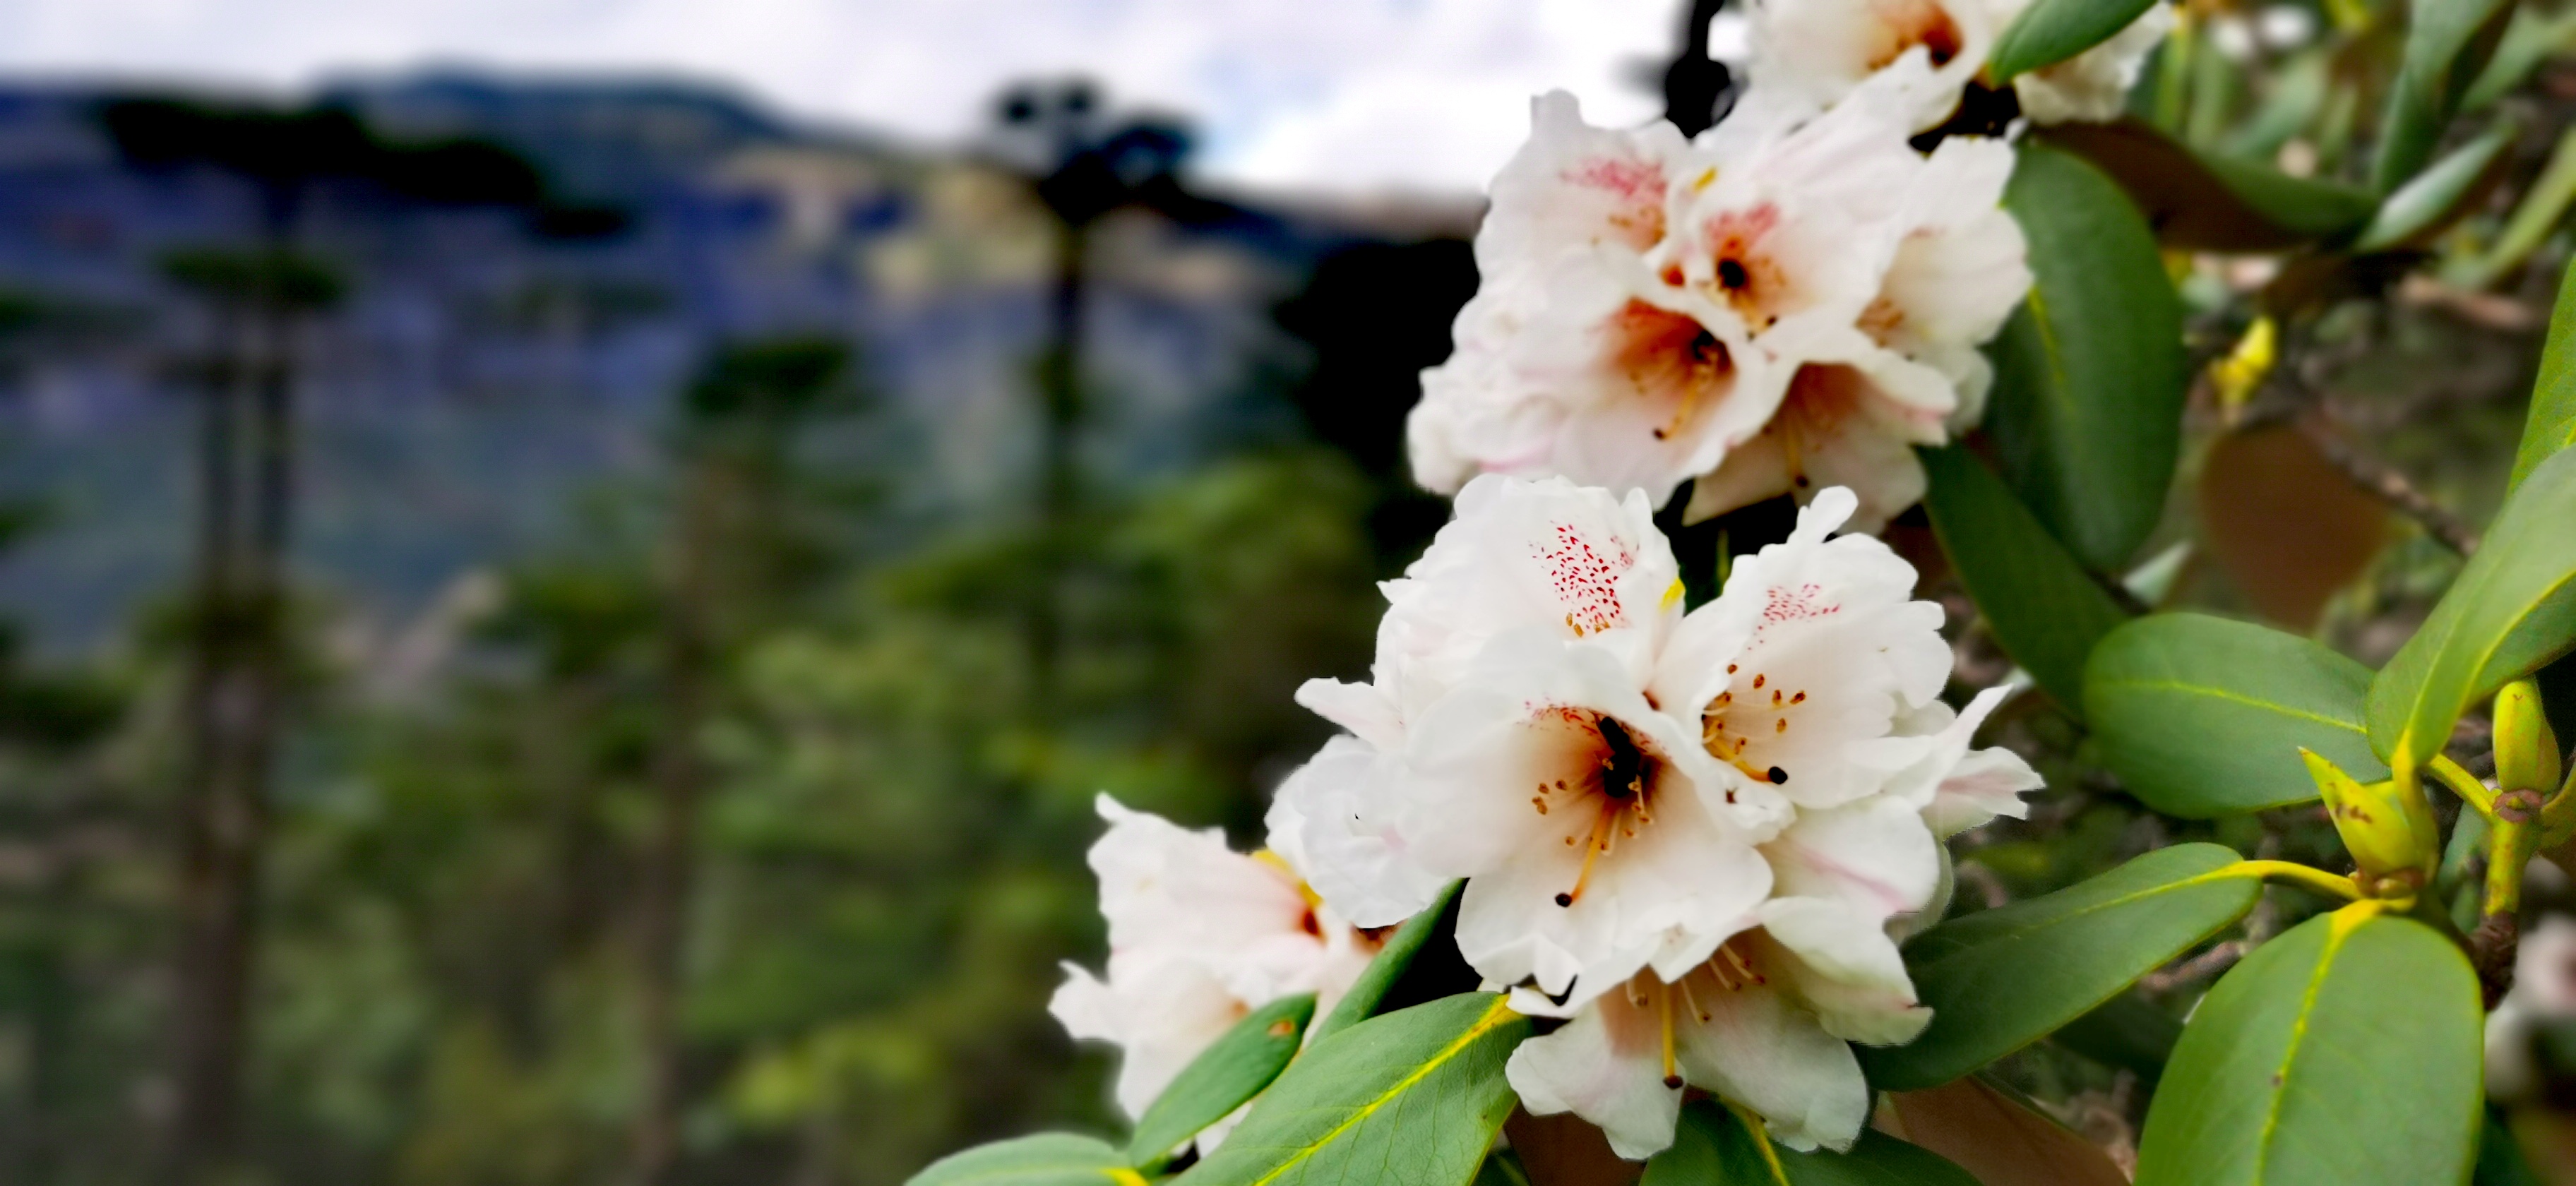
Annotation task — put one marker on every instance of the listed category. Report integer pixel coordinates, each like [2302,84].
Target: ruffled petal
[1846,969]
[1751,1043]
[1333,819]
[1605,1066]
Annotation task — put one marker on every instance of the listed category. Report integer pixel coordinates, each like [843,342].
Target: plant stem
[2383,481]
[2303,876]
[2463,784]
[2510,846]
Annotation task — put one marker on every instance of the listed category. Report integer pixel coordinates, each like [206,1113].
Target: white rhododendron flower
[1809,309]
[1199,936]
[1886,358]
[1573,358]
[1818,51]
[1523,651]
[2093,86]
[1691,834]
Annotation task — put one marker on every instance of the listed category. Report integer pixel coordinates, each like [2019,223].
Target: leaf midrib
[1494,1016]
[2222,873]
[2337,934]
[2412,703]
[2217,693]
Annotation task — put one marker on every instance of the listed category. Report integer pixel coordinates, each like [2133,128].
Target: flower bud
[2526,752]
[2237,376]
[2387,826]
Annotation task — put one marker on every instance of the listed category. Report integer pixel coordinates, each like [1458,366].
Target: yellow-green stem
[2303,876]
[2463,784]
[2558,816]
[2510,846]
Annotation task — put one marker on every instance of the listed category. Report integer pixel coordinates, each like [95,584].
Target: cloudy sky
[1344,95]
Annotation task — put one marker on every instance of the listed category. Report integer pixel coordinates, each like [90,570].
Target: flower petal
[1761,1049]
[1605,1066]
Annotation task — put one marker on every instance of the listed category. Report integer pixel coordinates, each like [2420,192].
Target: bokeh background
[572,569]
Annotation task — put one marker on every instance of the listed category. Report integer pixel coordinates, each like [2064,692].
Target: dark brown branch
[2382,481]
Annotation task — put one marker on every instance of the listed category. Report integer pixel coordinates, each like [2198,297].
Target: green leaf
[2344,1051]
[1715,1147]
[1046,1159]
[2001,979]
[2447,45]
[2090,371]
[2551,427]
[2544,202]
[2437,197]
[1502,1168]
[2530,38]
[2512,609]
[2127,1032]
[2209,201]
[1412,1098]
[2041,605]
[1231,1070]
[1396,955]
[2052,31]
[2201,716]
[2500,1160]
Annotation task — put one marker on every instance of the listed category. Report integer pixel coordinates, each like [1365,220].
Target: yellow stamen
[1773,775]
[1591,852]
[1743,966]
[1280,863]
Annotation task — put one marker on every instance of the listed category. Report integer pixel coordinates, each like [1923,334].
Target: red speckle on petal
[1585,577]
[1638,187]
[1782,604]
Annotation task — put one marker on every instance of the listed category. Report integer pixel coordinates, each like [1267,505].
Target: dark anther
[1778,776]
[1731,273]
[1623,773]
[1705,348]
[1565,899]
[1673,1081]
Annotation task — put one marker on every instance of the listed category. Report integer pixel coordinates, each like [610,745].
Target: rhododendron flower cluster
[1199,936]
[1792,301]
[1822,50]
[1689,833]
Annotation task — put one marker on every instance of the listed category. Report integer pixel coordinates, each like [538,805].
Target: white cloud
[1332,94]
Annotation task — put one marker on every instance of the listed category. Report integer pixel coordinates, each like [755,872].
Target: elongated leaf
[1046,1159]
[2551,427]
[1412,1098]
[2090,371]
[1233,1069]
[2041,604]
[2126,1031]
[1501,1168]
[2447,45]
[2344,1051]
[2438,196]
[2511,610]
[1714,1147]
[2201,716]
[2004,978]
[2052,31]
[1995,1135]
[2543,205]
[2500,1160]
[1361,1002]
[2530,38]
[2209,201]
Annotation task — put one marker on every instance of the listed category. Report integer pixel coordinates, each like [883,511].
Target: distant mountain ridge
[481,375]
